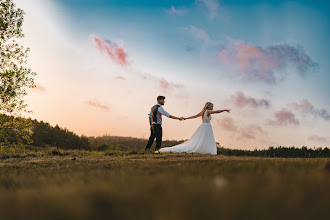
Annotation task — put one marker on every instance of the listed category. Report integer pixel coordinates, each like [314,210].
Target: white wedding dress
[201,142]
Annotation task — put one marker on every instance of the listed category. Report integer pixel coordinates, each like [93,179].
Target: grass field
[164,186]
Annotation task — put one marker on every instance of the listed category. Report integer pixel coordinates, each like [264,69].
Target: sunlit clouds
[97,104]
[241,100]
[269,64]
[115,52]
[306,107]
[285,117]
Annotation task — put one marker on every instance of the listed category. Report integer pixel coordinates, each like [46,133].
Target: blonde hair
[206,107]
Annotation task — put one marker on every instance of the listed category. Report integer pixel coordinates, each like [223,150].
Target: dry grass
[166,186]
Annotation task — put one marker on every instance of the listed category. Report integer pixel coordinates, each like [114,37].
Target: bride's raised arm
[209,112]
[195,116]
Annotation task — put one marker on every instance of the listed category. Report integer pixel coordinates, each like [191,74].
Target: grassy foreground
[165,186]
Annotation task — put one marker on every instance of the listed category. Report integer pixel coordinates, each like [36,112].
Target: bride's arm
[209,112]
[195,116]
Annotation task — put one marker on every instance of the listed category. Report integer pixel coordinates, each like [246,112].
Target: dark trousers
[156,131]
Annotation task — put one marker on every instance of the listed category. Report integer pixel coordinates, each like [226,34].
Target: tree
[14,77]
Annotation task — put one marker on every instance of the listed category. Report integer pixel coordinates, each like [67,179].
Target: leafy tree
[14,77]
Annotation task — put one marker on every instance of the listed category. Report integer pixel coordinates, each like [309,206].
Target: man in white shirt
[155,119]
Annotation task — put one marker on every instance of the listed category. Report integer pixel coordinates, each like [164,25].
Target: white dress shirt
[160,112]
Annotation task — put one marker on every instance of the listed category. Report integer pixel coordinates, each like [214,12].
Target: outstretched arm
[195,116]
[209,112]
[173,117]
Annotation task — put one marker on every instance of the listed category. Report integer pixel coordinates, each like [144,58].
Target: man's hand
[181,118]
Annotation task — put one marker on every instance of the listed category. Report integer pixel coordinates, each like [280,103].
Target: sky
[101,65]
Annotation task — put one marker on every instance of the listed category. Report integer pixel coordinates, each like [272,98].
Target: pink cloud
[120,78]
[165,85]
[306,107]
[254,128]
[240,100]
[116,53]
[247,135]
[228,124]
[97,104]
[247,132]
[265,64]
[285,117]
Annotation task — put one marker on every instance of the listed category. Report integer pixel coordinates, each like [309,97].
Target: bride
[202,140]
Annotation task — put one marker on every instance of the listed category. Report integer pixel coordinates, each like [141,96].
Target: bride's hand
[228,110]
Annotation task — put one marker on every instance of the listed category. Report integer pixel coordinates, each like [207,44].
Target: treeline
[45,136]
[285,152]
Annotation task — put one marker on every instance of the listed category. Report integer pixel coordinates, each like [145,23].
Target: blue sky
[257,22]
[267,60]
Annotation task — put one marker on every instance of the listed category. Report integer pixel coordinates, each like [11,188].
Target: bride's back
[206,119]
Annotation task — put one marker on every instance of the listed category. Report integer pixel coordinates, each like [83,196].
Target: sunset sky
[101,65]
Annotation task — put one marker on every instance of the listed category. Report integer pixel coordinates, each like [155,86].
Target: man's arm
[163,112]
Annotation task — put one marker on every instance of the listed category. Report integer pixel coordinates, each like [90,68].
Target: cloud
[212,6]
[254,128]
[97,104]
[318,138]
[240,100]
[175,11]
[284,117]
[164,84]
[116,53]
[247,135]
[306,107]
[251,131]
[267,64]
[120,78]
[201,35]
[247,132]
[228,124]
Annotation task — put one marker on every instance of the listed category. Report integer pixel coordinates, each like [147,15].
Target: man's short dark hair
[160,97]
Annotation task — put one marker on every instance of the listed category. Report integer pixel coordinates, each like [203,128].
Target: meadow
[78,184]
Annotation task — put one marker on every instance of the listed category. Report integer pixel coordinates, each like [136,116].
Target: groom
[155,120]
